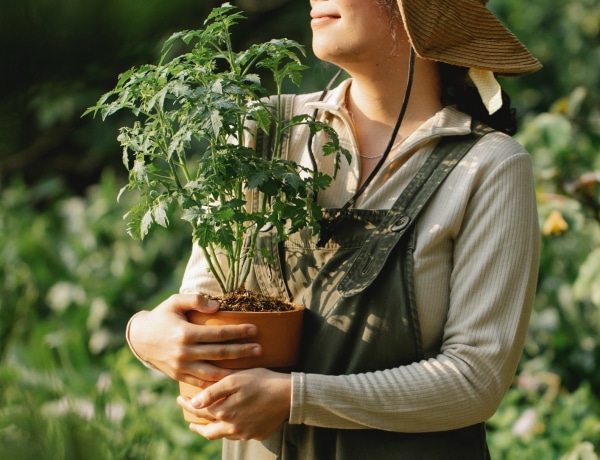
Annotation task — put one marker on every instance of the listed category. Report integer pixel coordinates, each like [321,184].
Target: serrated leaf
[321,181]
[192,214]
[133,229]
[262,117]
[145,224]
[224,214]
[204,234]
[122,191]
[253,78]
[257,179]
[216,123]
[140,171]
[235,203]
[159,214]
[292,179]
[225,237]
[217,87]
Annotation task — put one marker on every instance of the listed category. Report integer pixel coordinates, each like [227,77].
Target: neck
[376,96]
[378,91]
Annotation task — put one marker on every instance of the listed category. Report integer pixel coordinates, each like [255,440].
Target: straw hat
[464,33]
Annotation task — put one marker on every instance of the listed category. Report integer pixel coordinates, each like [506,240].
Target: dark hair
[458,90]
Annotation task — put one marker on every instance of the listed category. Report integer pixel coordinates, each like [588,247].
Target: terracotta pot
[278,334]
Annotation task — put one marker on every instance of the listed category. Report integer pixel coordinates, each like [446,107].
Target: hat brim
[464,33]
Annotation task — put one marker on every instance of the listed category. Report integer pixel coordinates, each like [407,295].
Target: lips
[320,16]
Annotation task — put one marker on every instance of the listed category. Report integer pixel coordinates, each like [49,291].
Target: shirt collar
[449,121]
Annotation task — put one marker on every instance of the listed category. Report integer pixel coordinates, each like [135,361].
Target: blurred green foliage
[71,277]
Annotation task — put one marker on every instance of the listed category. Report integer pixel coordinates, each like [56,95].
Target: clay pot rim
[295,309]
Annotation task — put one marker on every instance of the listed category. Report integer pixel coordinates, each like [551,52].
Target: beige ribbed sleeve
[476,265]
[475,277]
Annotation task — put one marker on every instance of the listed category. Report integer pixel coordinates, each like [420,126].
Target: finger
[203,374]
[218,352]
[190,302]
[223,333]
[216,430]
[184,403]
[212,395]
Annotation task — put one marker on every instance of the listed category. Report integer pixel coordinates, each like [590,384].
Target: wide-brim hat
[465,33]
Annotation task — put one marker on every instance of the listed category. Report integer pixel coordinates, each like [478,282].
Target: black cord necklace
[328,226]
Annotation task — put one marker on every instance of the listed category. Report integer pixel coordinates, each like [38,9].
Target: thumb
[206,304]
[184,303]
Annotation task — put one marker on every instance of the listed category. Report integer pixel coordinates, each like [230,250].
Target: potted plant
[188,147]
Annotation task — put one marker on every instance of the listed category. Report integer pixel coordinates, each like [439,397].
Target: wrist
[128,334]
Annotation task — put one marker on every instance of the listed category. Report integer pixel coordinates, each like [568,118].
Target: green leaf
[293,179]
[217,124]
[321,181]
[235,203]
[192,214]
[145,224]
[122,191]
[261,116]
[224,214]
[225,236]
[204,234]
[253,78]
[139,170]
[159,214]
[187,144]
[257,179]
[266,254]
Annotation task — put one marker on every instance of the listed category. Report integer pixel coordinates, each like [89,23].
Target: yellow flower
[555,224]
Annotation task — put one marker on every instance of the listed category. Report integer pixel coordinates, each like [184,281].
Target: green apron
[361,317]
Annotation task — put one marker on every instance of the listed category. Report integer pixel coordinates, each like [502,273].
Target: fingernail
[252,331]
[256,351]
[212,304]
[197,401]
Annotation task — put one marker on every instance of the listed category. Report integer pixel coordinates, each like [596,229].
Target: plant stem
[165,125]
[230,52]
[278,130]
[249,254]
[211,266]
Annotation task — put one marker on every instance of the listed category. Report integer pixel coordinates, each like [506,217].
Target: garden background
[70,277]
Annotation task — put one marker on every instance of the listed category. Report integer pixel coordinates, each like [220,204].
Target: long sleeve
[476,267]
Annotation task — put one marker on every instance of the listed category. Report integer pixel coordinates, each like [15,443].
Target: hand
[164,338]
[248,404]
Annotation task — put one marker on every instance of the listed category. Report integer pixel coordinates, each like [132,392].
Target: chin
[326,51]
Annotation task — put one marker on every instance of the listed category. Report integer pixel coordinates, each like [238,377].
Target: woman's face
[349,32]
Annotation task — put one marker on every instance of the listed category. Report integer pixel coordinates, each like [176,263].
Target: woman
[414,329]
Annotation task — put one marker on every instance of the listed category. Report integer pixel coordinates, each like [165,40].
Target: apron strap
[270,281]
[372,256]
